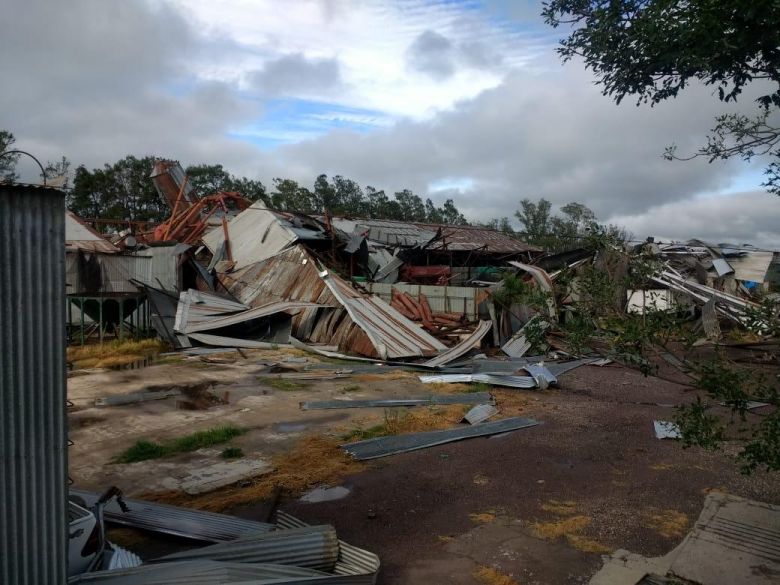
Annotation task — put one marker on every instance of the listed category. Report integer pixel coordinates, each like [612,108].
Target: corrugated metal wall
[442,299]
[116,272]
[33,481]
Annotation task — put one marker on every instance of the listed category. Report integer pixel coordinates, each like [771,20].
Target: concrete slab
[735,540]
[218,475]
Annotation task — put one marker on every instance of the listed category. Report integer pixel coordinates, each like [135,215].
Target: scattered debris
[472,398]
[666,430]
[324,494]
[525,382]
[480,413]
[121,399]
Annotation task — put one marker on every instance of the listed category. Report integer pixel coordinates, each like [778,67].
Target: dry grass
[570,528]
[114,353]
[561,508]
[414,420]
[442,388]
[588,545]
[483,517]
[661,466]
[314,460]
[559,528]
[668,523]
[491,576]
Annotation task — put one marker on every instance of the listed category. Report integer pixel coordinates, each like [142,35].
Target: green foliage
[764,319]
[141,451]
[7,162]
[232,453]
[144,449]
[207,179]
[653,49]
[351,388]
[734,387]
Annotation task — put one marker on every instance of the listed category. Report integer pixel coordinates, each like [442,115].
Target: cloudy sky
[461,99]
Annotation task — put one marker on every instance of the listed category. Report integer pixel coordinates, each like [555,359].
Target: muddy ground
[539,505]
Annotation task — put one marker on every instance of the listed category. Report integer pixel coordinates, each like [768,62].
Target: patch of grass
[351,388]
[394,374]
[358,434]
[232,453]
[114,353]
[284,385]
[569,528]
[668,523]
[315,460]
[143,449]
[491,576]
[478,387]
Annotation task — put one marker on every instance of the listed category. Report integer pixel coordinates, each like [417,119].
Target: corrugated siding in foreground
[33,488]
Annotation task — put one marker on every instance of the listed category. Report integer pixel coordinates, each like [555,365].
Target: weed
[483,517]
[553,530]
[143,449]
[561,508]
[232,453]
[351,388]
[285,385]
[586,544]
[401,421]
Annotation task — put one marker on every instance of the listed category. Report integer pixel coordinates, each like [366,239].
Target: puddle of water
[325,494]
[289,427]
[137,364]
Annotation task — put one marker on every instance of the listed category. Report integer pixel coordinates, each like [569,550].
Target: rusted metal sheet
[463,347]
[355,322]
[392,334]
[465,238]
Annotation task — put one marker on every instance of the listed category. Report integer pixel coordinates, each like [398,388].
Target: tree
[653,49]
[207,179]
[58,172]
[535,219]
[7,162]
[290,196]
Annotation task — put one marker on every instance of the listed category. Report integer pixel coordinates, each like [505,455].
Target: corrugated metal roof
[312,547]
[360,323]
[463,347]
[383,446]
[471,398]
[480,413]
[218,321]
[464,238]
[392,334]
[174,520]
[79,236]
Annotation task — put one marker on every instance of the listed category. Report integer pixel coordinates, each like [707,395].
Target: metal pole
[82,319]
[100,322]
[121,317]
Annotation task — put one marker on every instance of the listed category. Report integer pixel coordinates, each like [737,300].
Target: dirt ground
[540,505]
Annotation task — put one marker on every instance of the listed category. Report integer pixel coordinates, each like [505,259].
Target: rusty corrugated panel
[465,238]
[33,481]
[371,327]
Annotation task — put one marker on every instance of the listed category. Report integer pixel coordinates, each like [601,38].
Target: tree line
[124,191]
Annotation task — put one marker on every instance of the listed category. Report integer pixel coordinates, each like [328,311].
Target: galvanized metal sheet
[176,521]
[539,372]
[33,443]
[352,561]
[121,399]
[525,382]
[480,413]
[222,341]
[544,282]
[313,547]
[472,398]
[201,572]
[722,267]
[476,238]
[218,321]
[384,446]
[463,347]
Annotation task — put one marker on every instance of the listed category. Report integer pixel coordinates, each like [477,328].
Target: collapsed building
[226,272]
